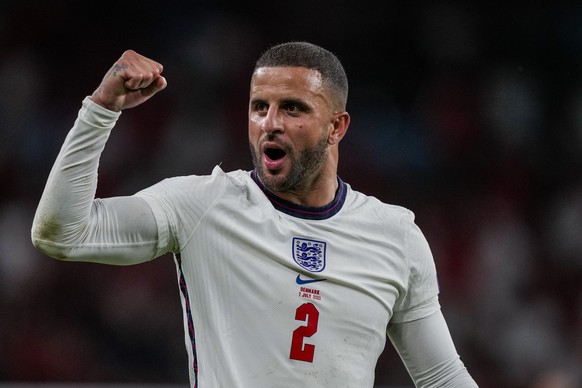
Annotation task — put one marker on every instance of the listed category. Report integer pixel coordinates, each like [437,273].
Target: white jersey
[270,288]
[273,294]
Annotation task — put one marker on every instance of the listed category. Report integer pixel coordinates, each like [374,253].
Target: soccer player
[288,277]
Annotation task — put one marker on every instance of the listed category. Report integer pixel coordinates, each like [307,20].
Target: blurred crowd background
[468,114]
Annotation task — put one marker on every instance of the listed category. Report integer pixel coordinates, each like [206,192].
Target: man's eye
[292,107]
[261,107]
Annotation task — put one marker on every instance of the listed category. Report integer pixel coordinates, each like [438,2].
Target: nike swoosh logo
[307,281]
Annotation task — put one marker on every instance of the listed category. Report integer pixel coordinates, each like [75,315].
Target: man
[288,277]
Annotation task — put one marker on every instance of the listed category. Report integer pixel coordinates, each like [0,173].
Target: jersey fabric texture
[273,294]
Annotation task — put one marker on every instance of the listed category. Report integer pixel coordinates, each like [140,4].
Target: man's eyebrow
[290,100]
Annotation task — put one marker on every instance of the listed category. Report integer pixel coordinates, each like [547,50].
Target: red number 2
[306,312]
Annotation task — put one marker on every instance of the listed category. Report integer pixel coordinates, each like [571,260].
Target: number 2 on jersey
[306,312]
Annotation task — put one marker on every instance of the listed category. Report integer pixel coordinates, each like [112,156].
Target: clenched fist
[132,80]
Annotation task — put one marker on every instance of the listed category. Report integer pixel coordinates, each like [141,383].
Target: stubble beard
[304,165]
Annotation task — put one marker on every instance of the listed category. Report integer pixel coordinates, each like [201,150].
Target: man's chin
[273,180]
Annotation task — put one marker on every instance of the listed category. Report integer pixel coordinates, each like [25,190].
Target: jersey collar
[306,212]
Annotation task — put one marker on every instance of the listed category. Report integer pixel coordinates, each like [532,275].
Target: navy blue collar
[306,212]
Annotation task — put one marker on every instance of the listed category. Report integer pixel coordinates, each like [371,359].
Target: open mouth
[275,153]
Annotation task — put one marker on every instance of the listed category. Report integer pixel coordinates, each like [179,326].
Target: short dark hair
[310,56]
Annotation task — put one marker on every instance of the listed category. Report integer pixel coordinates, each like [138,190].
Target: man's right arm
[69,223]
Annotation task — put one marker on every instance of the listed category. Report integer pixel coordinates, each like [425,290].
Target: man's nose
[272,122]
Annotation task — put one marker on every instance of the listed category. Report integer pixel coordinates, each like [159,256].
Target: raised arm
[70,224]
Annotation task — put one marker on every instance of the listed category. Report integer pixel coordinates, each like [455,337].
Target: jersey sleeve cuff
[97,116]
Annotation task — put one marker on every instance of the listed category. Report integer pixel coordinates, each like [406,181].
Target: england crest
[309,254]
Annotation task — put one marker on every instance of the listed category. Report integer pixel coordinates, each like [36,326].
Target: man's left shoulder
[361,201]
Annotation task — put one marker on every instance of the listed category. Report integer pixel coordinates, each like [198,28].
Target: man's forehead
[287,77]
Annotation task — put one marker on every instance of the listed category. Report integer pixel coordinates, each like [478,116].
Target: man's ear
[339,124]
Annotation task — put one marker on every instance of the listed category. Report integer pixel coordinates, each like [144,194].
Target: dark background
[468,114]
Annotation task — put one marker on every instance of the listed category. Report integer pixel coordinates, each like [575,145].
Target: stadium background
[469,114]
